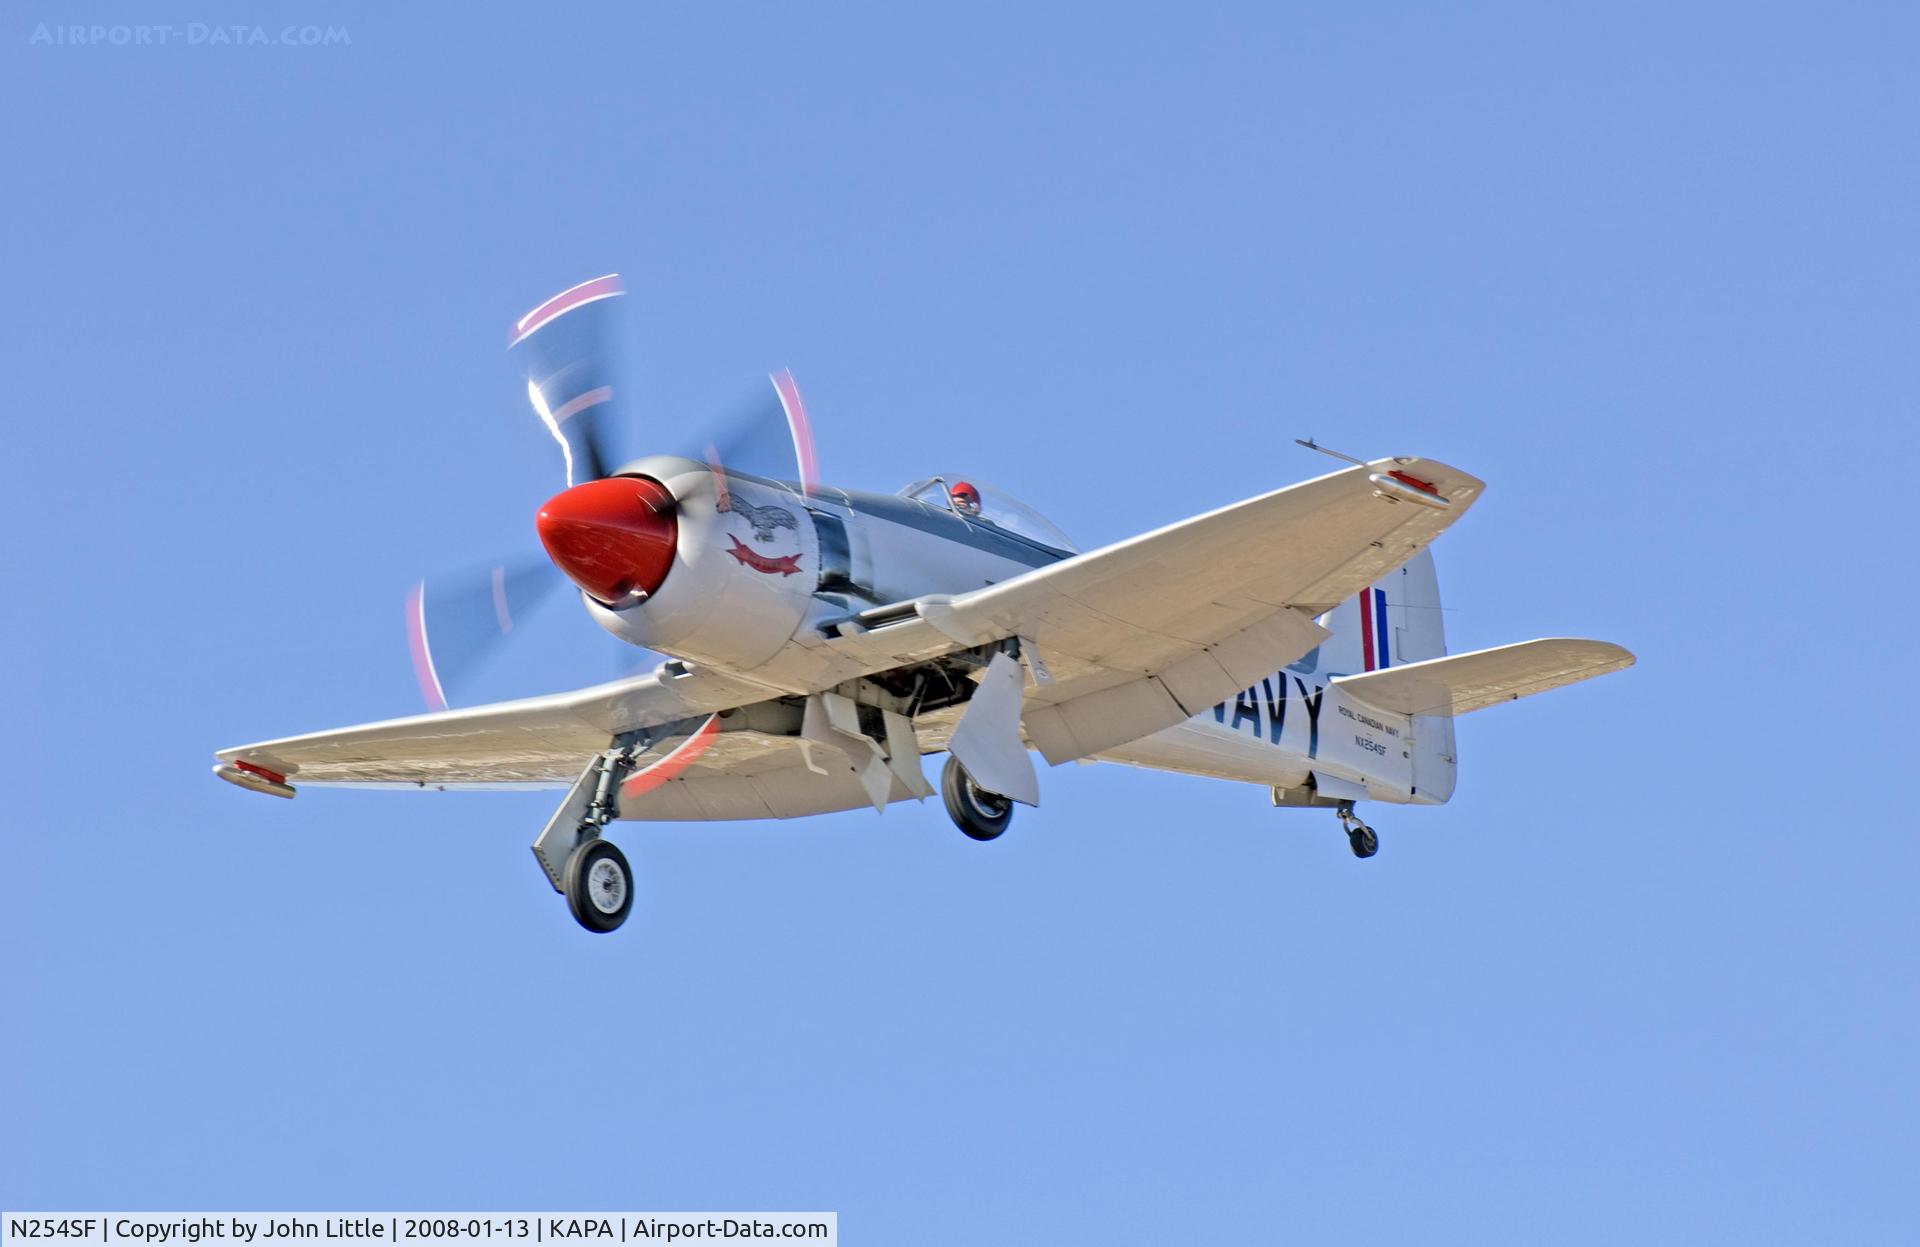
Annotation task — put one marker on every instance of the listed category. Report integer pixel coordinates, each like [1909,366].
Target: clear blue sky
[1649,270]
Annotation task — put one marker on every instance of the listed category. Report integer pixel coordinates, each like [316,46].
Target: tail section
[1395,622]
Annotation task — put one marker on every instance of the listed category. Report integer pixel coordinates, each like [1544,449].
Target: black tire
[599,898]
[982,815]
[1363,841]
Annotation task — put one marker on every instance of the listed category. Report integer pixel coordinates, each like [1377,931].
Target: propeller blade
[566,345]
[798,430]
[456,622]
[768,436]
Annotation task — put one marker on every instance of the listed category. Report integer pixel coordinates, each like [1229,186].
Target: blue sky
[1647,269]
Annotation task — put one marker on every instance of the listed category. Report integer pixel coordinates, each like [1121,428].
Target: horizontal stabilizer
[1463,682]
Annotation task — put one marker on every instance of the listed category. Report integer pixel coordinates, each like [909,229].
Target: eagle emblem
[763,519]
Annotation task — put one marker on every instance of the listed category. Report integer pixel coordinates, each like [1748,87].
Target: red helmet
[965,490]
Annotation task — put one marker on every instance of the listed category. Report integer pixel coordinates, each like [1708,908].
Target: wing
[536,741]
[1462,682]
[1145,633]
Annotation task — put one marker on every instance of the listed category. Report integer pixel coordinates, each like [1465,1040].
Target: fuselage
[1297,733]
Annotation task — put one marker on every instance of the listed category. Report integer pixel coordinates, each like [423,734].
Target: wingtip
[1415,478]
[255,778]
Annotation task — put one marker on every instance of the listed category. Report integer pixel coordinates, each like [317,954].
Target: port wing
[532,742]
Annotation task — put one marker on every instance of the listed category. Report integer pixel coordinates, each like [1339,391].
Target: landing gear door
[562,833]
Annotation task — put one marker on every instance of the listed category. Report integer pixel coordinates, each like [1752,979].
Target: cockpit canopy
[996,508]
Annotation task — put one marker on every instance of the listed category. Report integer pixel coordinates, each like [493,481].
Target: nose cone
[613,537]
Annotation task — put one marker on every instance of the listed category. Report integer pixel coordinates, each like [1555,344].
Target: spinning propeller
[612,536]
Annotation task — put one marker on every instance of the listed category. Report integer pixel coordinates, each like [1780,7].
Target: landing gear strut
[1360,838]
[590,872]
[980,814]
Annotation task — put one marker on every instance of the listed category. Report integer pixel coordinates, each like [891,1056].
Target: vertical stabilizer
[1397,621]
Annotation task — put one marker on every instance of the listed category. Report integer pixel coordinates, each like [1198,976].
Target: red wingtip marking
[261,771]
[1425,487]
[682,757]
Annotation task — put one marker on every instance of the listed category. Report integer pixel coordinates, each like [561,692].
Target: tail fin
[1397,620]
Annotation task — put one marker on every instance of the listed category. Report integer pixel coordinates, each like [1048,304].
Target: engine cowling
[670,557]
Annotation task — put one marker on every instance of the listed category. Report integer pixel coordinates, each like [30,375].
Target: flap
[1333,788]
[750,775]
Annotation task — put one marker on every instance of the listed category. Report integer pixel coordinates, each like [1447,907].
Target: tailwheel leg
[1362,839]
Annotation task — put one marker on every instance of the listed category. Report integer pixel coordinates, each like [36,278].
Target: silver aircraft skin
[821,642]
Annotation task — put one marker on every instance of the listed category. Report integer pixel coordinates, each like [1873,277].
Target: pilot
[966,499]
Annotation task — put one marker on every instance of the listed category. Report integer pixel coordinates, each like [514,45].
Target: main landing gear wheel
[1362,839]
[599,886]
[982,815]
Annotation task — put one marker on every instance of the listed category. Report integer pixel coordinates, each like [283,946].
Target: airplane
[818,643]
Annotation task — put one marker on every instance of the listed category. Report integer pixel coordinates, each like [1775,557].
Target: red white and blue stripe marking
[1373,629]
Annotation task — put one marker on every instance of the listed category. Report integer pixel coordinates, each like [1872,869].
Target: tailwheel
[599,886]
[980,814]
[1362,839]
